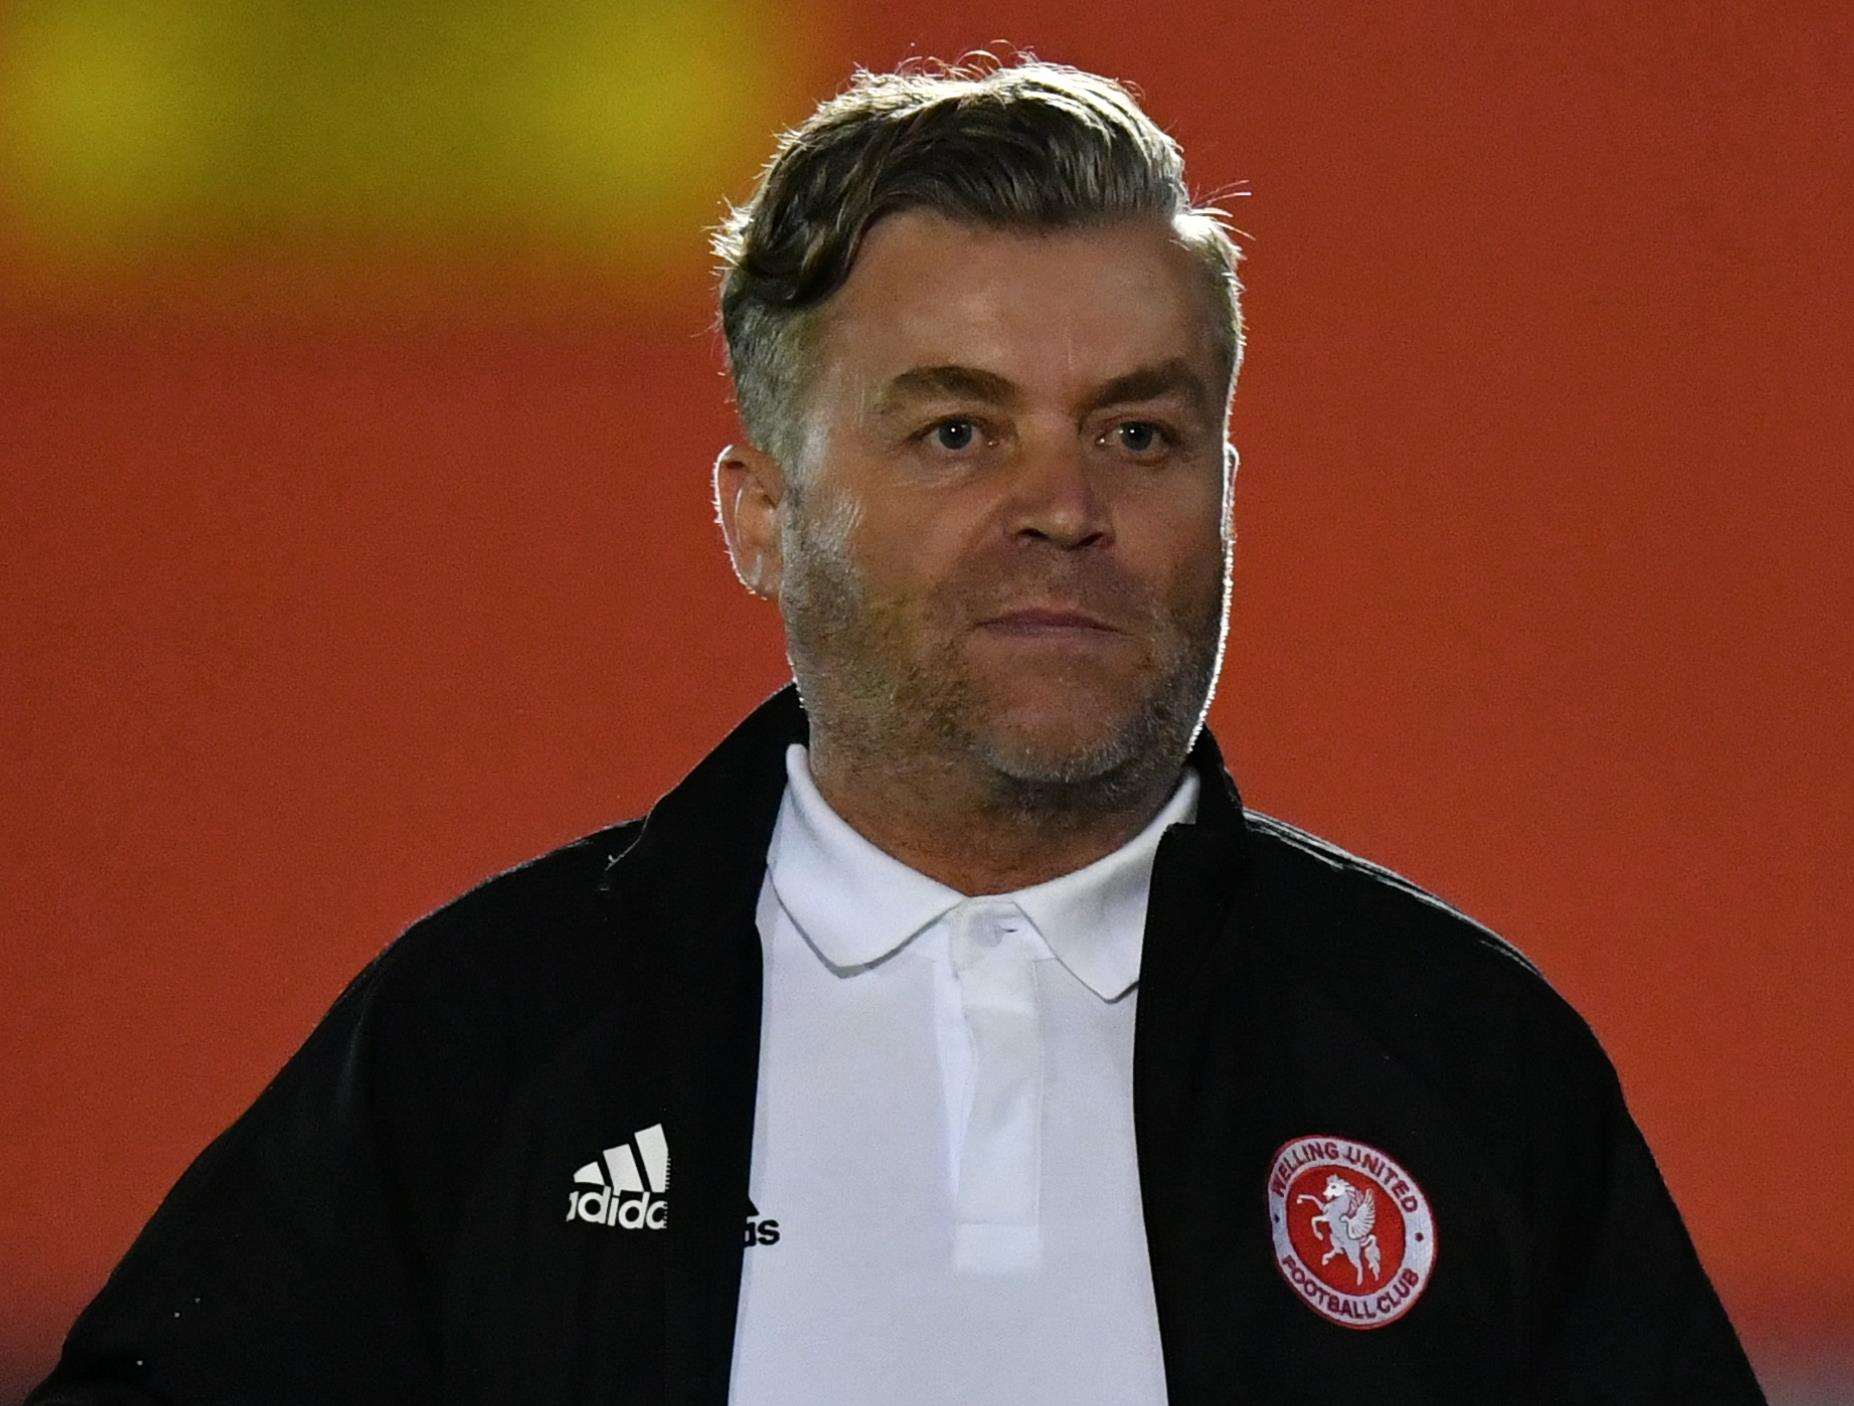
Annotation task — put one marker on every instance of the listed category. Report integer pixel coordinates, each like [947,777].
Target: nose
[1054,497]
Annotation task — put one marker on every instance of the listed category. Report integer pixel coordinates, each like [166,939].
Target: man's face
[1017,476]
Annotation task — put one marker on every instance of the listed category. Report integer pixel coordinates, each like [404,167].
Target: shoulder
[1345,888]
[521,901]
[1429,978]
[515,963]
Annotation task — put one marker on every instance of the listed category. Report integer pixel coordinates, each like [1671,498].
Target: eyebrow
[971,383]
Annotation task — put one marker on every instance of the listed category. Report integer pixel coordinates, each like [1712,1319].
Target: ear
[749,491]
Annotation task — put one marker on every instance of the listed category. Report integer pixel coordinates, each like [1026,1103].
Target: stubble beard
[883,707]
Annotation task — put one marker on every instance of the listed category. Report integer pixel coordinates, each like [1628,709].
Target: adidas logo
[630,1184]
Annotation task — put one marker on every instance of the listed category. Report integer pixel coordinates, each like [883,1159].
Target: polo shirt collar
[857,904]
[1094,919]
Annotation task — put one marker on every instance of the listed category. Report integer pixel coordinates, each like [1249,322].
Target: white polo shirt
[944,1130]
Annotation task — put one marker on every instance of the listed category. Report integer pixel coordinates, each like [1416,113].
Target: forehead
[1055,311]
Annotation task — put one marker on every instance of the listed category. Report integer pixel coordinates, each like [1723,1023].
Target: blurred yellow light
[565,130]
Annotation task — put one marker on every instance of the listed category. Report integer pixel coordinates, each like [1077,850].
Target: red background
[339,575]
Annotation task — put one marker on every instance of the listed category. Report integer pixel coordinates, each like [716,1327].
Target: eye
[954,435]
[1143,437]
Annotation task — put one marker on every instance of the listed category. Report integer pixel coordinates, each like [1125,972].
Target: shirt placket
[995,1217]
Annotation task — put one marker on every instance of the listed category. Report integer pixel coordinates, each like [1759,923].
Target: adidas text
[626,1210]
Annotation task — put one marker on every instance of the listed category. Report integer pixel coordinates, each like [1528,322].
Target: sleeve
[1636,1319]
[291,1262]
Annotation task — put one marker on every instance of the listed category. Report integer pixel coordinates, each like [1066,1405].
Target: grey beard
[877,704]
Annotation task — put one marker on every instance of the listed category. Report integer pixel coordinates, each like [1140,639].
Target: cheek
[1178,557]
[912,561]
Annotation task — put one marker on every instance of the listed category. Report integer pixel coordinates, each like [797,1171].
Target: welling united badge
[1353,1234]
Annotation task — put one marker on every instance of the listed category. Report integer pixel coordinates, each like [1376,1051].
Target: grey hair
[1034,145]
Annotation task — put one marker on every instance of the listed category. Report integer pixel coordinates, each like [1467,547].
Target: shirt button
[988,937]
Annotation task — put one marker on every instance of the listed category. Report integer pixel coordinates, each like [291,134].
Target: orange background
[357,540]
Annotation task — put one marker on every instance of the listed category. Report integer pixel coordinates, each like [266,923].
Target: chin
[1060,747]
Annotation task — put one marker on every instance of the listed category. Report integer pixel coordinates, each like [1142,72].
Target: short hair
[1034,145]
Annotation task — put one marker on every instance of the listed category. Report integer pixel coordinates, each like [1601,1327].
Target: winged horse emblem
[1346,1216]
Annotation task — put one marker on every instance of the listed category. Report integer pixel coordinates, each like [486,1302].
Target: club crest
[1354,1237]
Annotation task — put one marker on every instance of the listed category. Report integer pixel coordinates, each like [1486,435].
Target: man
[953,1034]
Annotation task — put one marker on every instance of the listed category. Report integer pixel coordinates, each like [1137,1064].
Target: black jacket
[387,1222]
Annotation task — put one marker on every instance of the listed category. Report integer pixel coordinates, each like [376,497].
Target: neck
[976,830]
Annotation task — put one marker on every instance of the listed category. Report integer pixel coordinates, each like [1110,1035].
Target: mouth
[1054,627]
